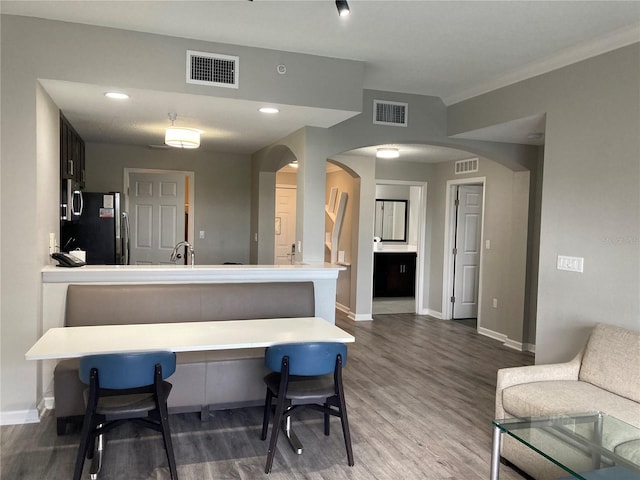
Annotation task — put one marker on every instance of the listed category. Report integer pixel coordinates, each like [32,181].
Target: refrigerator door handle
[125,238]
[77,194]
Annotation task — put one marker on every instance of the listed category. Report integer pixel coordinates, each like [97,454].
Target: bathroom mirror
[391,220]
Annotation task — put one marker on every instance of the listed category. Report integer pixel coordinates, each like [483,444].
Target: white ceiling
[449,49]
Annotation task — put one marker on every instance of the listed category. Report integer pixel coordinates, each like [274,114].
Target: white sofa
[604,376]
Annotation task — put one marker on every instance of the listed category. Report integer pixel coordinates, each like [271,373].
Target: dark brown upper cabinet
[72,162]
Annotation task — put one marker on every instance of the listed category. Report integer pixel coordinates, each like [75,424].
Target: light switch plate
[570,264]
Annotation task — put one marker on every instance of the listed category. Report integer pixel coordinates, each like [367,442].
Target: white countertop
[389,248]
[72,342]
[181,273]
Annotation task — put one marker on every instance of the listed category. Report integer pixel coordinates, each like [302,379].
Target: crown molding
[618,39]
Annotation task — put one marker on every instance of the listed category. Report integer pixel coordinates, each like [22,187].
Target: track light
[343,8]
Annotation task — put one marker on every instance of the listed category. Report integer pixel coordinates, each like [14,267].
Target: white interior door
[467,256]
[157,215]
[285,224]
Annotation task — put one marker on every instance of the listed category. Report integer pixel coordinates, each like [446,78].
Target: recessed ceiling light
[387,153]
[269,110]
[116,95]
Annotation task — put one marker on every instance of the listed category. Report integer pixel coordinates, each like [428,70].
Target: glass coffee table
[583,445]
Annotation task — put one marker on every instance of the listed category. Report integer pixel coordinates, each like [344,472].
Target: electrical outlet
[570,264]
[300,246]
[495,303]
[201,234]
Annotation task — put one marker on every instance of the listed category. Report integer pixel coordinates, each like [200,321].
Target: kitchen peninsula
[55,281]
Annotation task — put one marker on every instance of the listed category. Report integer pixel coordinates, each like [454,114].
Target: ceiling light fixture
[179,137]
[116,95]
[343,8]
[268,110]
[387,153]
[294,164]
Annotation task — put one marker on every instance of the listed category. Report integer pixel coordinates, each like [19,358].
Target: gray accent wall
[590,204]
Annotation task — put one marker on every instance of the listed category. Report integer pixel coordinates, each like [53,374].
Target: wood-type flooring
[420,395]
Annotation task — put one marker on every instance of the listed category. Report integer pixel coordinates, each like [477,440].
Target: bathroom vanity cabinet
[394,274]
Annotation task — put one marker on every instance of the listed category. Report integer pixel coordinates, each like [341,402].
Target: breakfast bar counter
[56,280]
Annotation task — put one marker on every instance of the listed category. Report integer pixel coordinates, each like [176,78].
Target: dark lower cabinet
[394,274]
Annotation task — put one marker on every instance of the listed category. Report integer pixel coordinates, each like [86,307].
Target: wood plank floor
[420,395]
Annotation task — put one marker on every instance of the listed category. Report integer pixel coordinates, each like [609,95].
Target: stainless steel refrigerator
[101,230]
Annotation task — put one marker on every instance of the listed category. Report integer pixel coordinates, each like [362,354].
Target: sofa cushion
[567,396]
[611,361]
[629,450]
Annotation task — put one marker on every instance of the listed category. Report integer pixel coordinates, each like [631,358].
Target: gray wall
[35,49]
[589,205]
[590,197]
[222,192]
[344,182]
[427,124]
[503,265]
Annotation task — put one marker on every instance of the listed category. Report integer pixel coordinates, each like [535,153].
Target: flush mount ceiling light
[268,110]
[116,95]
[294,164]
[343,8]
[179,137]
[387,153]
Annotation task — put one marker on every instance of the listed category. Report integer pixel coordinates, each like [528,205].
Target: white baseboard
[343,308]
[360,316]
[501,337]
[19,417]
[432,313]
[48,403]
[353,316]
[514,345]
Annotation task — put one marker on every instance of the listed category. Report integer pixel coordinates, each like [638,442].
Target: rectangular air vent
[469,165]
[212,69]
[390,113]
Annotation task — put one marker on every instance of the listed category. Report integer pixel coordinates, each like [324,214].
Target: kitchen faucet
[175,255]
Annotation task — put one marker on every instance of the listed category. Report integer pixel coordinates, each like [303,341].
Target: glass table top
[589,446]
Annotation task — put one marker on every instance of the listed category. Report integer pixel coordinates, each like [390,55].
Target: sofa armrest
[508,377]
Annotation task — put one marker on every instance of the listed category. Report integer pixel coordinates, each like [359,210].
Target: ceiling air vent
[212,69]
[390,113]
[469,165]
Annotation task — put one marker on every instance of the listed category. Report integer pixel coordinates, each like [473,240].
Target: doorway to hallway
[159,203]
[285,224]
[464,223]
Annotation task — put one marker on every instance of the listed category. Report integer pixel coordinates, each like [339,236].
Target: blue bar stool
[305,374]
[122,387]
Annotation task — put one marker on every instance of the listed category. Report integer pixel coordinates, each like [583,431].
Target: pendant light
[180,137]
